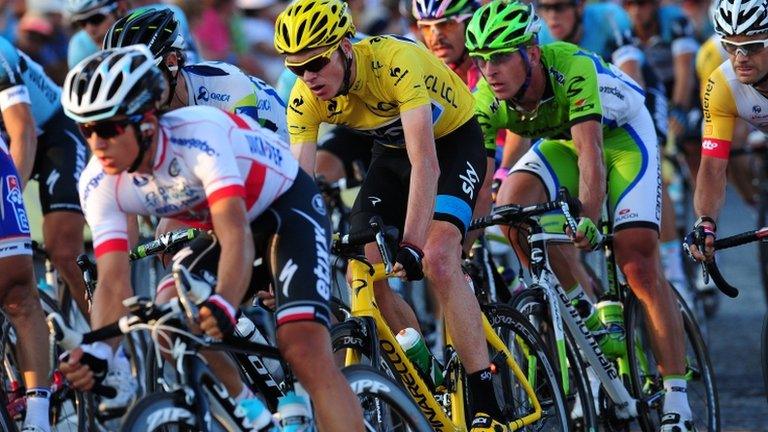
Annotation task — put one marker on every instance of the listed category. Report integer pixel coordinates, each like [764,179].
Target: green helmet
[502,24]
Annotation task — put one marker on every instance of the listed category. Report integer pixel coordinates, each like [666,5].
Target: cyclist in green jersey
[598,136]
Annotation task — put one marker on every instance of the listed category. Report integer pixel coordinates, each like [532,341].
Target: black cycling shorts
[349,146]
[293,237]
[61,156]
[462,159]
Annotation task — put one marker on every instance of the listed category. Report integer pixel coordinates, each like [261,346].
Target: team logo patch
[173,168]
[15,198]
[318,204]
[140,180]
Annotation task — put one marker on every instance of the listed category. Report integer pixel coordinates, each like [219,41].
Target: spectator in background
[259,30]
[94,18]
[10,12]
[53,12]
[219,33]
[34,36]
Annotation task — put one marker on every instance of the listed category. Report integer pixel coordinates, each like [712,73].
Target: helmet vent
[115,86]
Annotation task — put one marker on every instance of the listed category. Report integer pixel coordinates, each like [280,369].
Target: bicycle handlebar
[514,213]
[710,268]
[163,243]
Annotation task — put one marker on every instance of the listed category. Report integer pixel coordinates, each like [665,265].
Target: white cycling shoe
[673,422]
[120,378]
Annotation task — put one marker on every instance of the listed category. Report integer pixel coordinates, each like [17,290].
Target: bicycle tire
[368,383]
[161,412]
[532,305]
[762,220]
[764,351]
[647,382]
[527,348]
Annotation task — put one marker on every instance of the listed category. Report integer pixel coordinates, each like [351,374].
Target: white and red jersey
[203,155]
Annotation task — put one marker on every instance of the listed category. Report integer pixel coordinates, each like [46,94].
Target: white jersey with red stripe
[203,154]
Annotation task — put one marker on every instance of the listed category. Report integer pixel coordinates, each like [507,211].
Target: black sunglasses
[556,7]
[108,129]
[637,2]
[95,19]
[315,64]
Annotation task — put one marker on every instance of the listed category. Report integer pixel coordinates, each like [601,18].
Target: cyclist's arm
[305,153]
[231,226]
[588,140]
[710,186]
[515,147]
[420,144]
[114,285]
[682,90]
[20,126]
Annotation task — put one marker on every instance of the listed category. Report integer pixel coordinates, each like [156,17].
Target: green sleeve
[582,90]
[489,113]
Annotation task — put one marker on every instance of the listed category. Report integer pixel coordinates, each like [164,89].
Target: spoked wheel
[531,355]
[579,398]
[647,381]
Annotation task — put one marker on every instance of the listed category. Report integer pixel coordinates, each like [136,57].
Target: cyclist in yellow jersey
[737,89]
[427,167]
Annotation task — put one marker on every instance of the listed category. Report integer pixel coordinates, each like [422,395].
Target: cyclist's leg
[384,193]
[299,261]
[633,164]
[338,151]
[18,295]
[536,178]
[61,156]
[484,201]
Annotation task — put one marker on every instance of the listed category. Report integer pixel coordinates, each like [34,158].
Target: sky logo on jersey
[16,199]
[204,95]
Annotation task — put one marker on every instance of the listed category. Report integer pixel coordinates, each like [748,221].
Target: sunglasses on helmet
[110,128]
[746,49]
[314,64]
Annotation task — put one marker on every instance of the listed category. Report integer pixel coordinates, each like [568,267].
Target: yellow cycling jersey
[710,56]
[393,75]
[725,99]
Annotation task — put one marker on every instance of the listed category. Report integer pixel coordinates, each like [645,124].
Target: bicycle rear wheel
[647,381]
[531,355]
[762,220]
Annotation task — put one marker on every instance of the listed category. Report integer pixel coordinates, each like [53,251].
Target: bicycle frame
[363,304]
[543,276]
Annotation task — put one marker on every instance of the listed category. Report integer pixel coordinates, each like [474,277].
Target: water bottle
[295,414]
[611,314]
[418,353]
[248,330]
[258,418]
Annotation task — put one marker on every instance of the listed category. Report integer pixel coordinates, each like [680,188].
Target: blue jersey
[81,45]
[603,26]
[24,81]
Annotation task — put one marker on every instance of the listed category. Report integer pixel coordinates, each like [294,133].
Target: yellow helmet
[308,24]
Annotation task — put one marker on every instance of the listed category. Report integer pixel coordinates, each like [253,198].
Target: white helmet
[741,17]
[80,9]
[119,81]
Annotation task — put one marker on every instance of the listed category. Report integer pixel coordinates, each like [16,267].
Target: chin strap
[460,62]
[143,143]
[760,82]
[345,84]
[528,72]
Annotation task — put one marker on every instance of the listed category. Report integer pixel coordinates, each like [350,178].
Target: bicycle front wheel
[531,355]
[386,406]
[646,378]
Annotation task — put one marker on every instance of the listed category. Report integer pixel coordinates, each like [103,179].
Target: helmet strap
[143,143]
[518,97]
[461,61]
[760,82]
[345,83]
[575,30]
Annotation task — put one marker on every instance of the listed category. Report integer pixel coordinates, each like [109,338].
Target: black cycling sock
[483,395]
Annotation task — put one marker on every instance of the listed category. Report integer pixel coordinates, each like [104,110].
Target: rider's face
[560,16]
[505,72]
[445,38]
[115,152]
[749,64]
[321,69]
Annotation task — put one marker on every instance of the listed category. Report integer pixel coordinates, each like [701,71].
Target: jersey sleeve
[12,88]
[212,158]
[582,90]
[720,114]
[301,115]
[107,222]
[406,79]
[682,36]
[488,112]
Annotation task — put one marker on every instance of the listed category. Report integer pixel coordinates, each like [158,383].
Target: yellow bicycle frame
[363,304]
